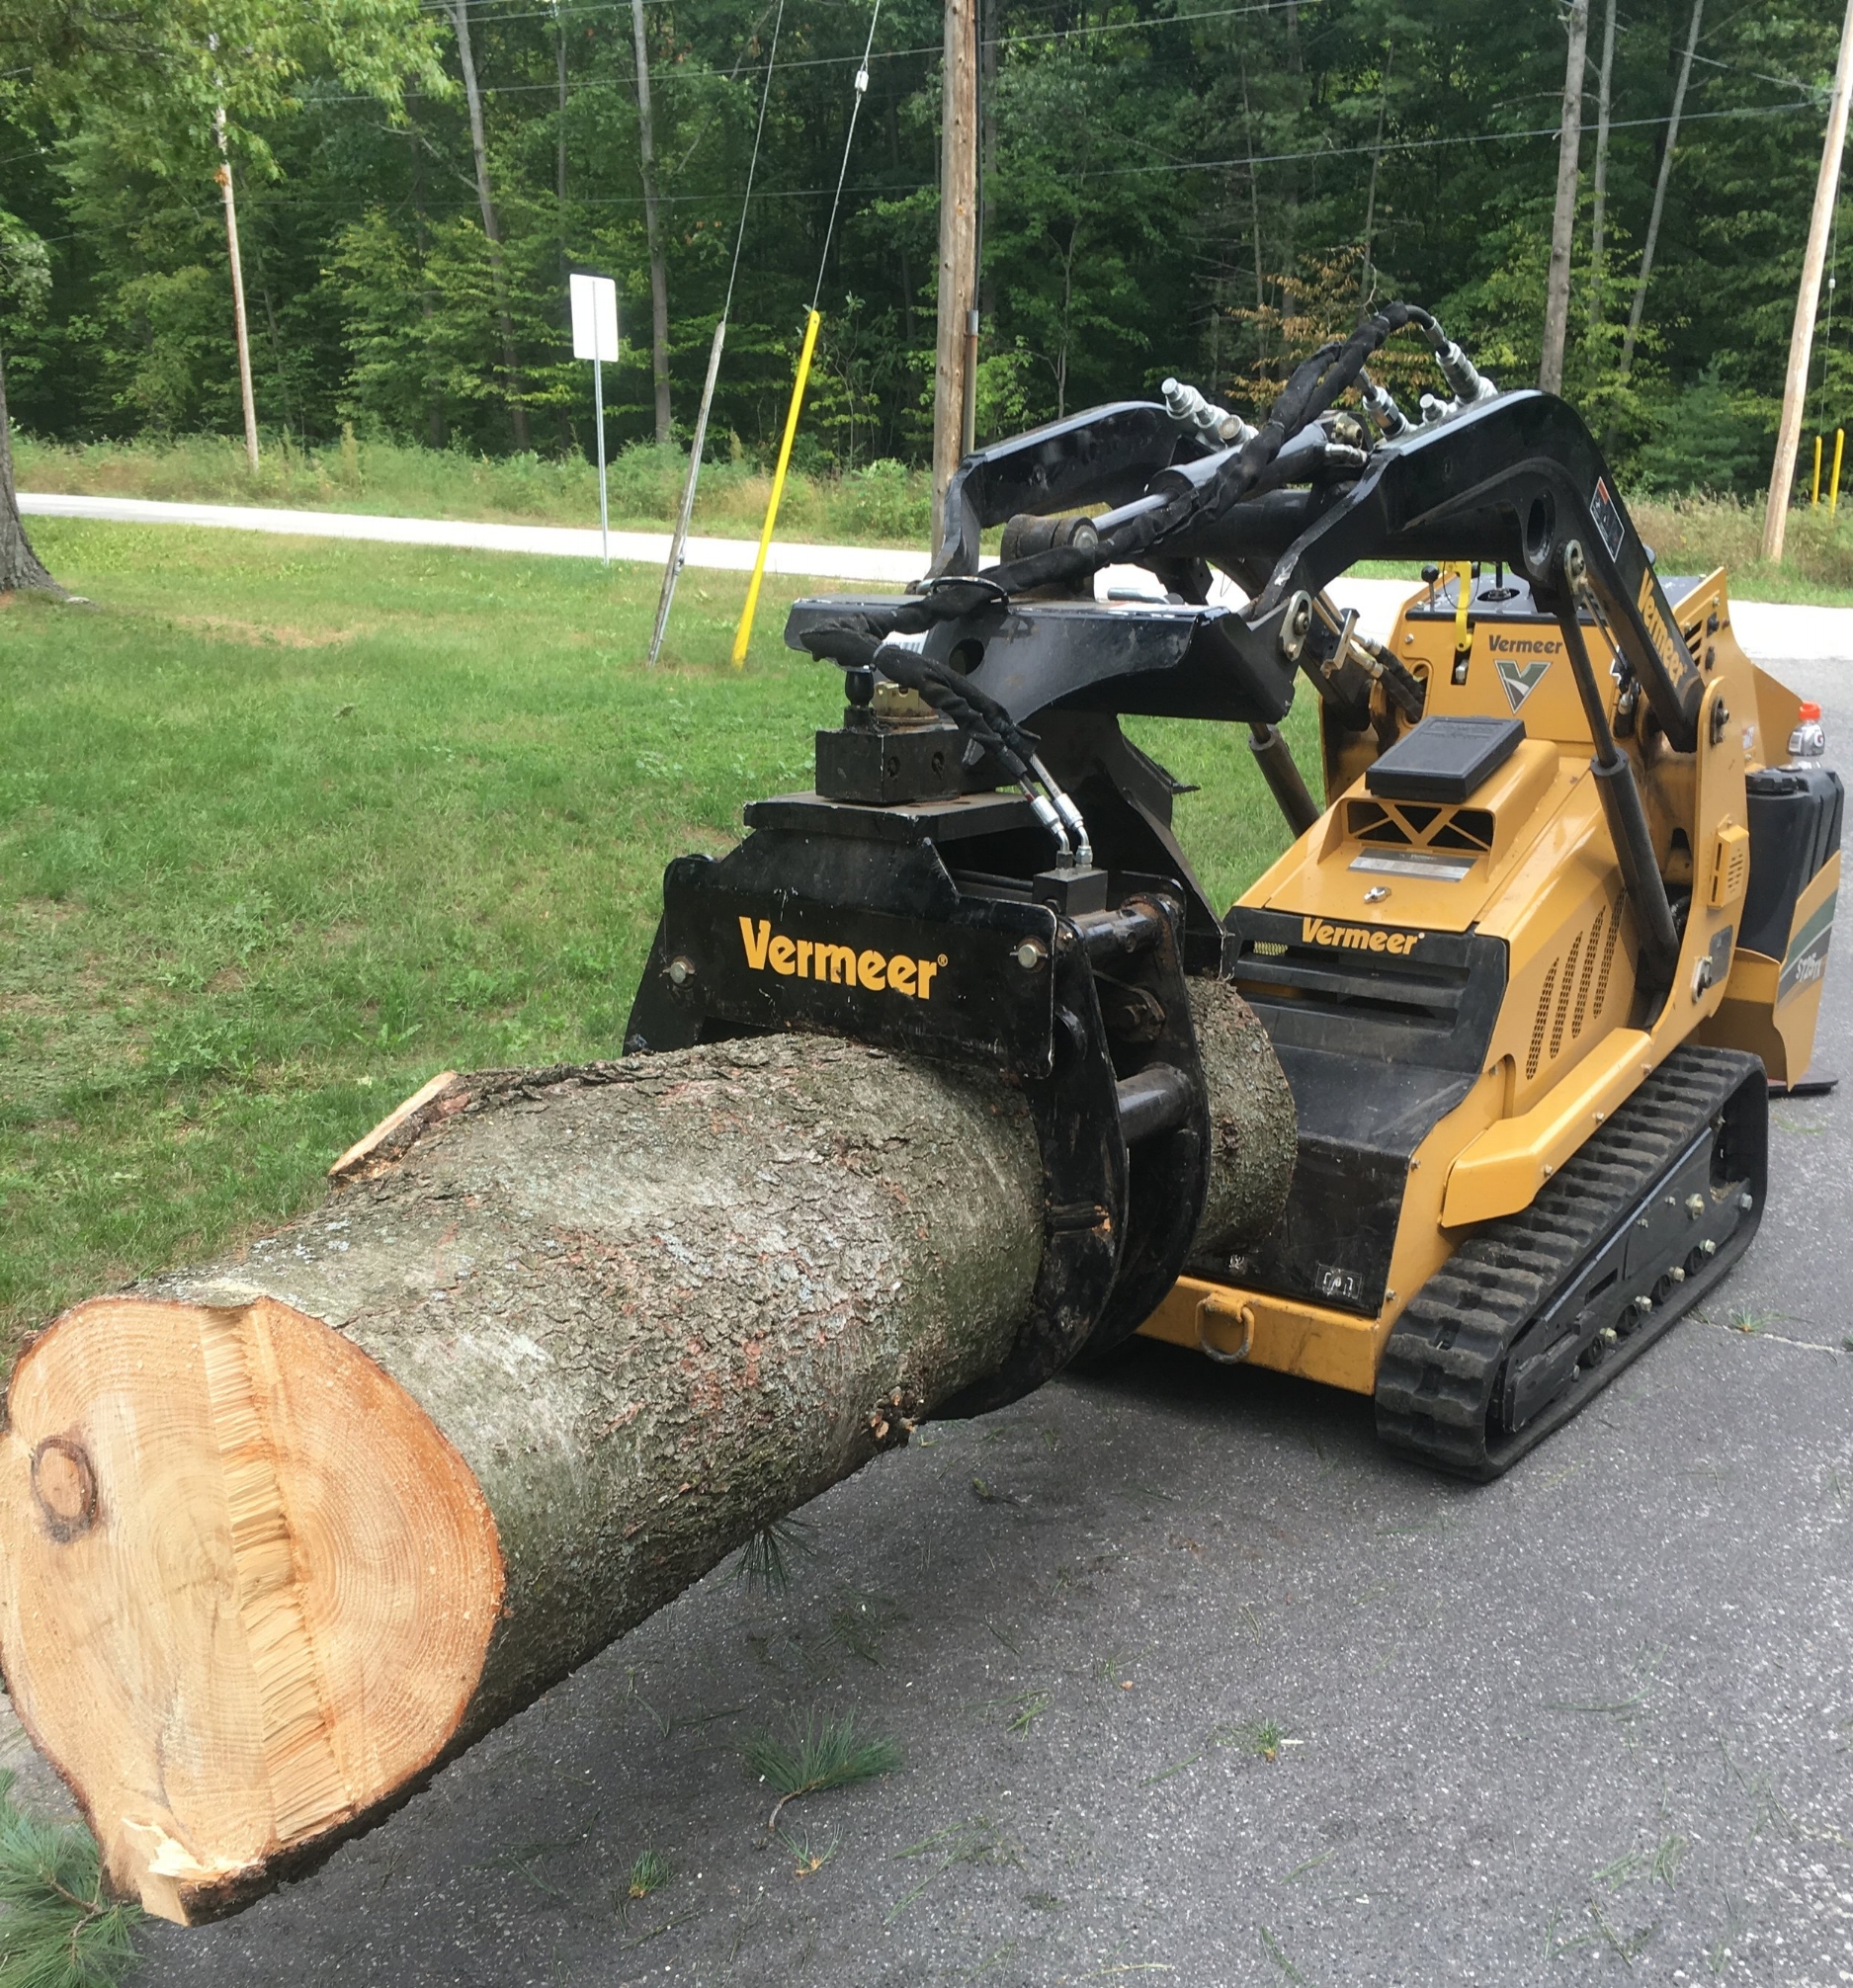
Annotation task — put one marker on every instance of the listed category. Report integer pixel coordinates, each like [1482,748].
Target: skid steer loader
[1530,969]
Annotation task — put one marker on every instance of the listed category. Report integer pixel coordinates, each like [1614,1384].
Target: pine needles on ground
[57,1928]
[821,1754]
[648,1874]
[764,1565]
[651,1873]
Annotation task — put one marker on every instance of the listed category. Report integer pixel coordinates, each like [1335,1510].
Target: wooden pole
[958,238]
[279,1535]
[1564,220]
[1808,301]
[237,292]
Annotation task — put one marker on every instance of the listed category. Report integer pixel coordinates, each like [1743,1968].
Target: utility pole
[1563,219]
[1808,301]
[959,244]
[239,327]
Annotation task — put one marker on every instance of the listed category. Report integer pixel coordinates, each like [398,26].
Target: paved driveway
[1193,1684]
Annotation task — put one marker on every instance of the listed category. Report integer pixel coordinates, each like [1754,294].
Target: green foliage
[1183,191]
[764,1564]
[816,1755]
[24,271]
[650,1871]
[57,1928]
[884,500]
[1707,439]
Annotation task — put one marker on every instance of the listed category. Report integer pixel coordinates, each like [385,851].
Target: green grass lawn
[287,826]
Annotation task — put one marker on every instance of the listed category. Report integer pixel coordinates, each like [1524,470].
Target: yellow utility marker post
[1814,500]
[1833,498]
[744,633]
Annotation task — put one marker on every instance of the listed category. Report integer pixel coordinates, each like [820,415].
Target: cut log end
[161,1458]
[588,1329]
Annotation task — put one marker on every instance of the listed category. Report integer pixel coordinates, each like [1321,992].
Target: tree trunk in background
[458,11]
[652,228]
[1598,216]
[1254,198]
[900,248]
[1659,194]
[277,1535]
[559,207]
[1370,199]
[1563,216]
[21,569]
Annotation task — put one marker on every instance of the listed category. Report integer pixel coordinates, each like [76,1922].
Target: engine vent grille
[1412,824]
[1564,1001]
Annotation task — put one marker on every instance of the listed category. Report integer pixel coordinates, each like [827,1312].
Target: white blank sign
[594,317]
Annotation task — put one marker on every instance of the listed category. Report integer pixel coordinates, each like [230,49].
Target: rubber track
[1443,1363]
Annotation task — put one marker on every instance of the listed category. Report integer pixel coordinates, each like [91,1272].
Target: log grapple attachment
[1529,963]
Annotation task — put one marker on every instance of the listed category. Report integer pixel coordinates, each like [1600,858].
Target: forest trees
[1163,180]
[141,106]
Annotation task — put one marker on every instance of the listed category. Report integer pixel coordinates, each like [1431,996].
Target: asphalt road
[1193,1683]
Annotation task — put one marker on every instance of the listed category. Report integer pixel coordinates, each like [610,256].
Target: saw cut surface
[249,1585]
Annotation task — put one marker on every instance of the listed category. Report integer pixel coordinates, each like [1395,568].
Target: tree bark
[21,569]
[1564,216]
[1659,194]
[652,229]
[1370,199]
[1599,192]
[559,210]
[458,11]
[278,1535]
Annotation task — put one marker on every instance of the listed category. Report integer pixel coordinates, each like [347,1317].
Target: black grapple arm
[1515,479]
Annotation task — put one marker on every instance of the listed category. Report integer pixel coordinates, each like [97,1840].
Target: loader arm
[1496,973]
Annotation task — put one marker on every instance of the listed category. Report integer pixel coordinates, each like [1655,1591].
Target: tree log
[278,1535]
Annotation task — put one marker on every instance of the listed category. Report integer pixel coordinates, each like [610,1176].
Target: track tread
[1442,1364]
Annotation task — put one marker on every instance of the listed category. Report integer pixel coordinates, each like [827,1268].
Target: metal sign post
[595,337]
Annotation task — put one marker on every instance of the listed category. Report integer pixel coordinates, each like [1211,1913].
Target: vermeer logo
[841,965]
[1356,938]
[1521,661]
[1657,632]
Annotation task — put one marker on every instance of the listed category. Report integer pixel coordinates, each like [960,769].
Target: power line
[855,110]
[1172,166]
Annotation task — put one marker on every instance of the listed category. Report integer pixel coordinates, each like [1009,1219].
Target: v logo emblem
[1520,679]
